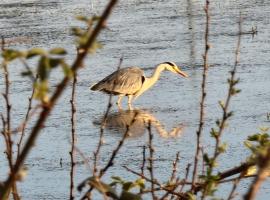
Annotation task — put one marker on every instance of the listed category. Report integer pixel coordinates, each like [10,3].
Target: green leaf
[140,182]
[43,68]
[77,31]
[27,73]
[127,186]
[96,45]
[129,196]
[102,187]
[117,178]
[206,158]
[248,144]
[58,51]
[54,62]
[214,133]
[191,196]
[11,54]
[221,103]
[35,52]
[96,18]
[66,69]
[41,90]
[82,18]
[222,148]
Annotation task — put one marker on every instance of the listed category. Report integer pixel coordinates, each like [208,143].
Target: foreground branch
[59,90]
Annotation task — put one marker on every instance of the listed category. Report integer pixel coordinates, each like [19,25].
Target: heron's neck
[155,76]
[150,81]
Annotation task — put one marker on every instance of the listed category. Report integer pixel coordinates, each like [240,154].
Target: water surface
[145,33]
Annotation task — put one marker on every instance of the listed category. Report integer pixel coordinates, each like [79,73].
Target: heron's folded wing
[124,81]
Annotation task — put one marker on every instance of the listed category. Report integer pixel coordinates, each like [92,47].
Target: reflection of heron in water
[132,82]
[137,121]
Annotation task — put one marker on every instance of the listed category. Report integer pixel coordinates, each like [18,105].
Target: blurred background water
[145,33]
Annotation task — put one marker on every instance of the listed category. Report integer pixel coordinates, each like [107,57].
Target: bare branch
[203,94]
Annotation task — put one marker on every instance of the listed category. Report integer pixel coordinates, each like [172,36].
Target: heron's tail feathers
[95,87]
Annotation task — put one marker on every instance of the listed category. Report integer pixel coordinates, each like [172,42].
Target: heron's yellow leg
[119,99]
[129,102]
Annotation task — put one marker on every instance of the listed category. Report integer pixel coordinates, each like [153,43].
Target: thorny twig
[226,114]
[231,91]
[73,136]
[203,94]
[143,161]
[173,175]
[186,177]
[58,92]
[235,184]
[7,123]
[151,159]
[24,123]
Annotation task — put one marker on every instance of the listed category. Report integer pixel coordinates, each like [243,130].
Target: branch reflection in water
[137,120]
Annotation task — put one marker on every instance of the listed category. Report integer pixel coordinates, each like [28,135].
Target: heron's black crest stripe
[169,63]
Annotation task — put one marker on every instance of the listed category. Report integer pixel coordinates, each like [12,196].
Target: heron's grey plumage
[131,81]
[125,81]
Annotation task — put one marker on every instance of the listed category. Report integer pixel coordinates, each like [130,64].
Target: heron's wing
[124,81]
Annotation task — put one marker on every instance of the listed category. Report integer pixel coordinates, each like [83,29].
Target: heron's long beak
[181,73]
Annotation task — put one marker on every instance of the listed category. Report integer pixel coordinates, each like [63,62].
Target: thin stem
[203,94]
[151,159]
[235,184]
[186,177]
[73,136]
[144,160]
[230,90]
[27,116]
[174,170]
[7,122]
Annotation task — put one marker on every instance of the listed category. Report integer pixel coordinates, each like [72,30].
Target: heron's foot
[119,106]
[130,107]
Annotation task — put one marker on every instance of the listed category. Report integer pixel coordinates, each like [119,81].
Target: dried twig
[73,136]
[59,90]
[7,123]
[235,184]
[151,159]
[24,123]
[173,175]
[143,161]
[203,94]
[186,177]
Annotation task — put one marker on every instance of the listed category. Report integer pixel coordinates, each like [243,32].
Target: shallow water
[145,33]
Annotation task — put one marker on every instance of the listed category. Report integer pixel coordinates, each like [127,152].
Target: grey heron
[131,81]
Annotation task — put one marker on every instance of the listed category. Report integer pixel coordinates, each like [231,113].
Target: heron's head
[171,66]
